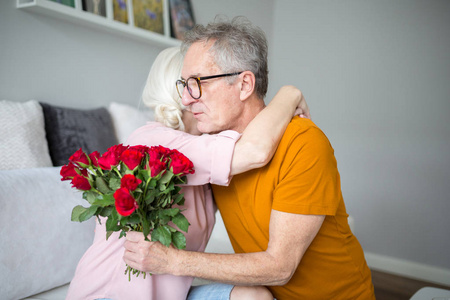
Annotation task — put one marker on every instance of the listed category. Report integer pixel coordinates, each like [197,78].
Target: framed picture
[120,10]
[181,18]
[70,3]
[148,14]
[97,7]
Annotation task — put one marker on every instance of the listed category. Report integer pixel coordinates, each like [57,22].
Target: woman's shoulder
[149,132]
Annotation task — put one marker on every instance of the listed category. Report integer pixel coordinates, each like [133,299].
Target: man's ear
[247,84]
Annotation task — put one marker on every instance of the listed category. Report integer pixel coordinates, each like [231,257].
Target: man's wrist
[173,257]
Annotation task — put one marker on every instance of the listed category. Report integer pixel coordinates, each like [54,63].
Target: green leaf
[181,222]
[163,235]
[114,183]
[123,233]
[166,177]
[112,224]
[164,201]
[177,189]
[87,214]
[104,200]
[134,219]
[179,240]
[171,212]
[105,211]
[102,186]
[76,212]
[152,183]
[145,174]
[163,218]
[108,234]
[171,229]
[150,197]
[178,199]
[90,196]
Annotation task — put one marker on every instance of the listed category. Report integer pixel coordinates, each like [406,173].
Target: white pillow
[127,119]
[40,245]
[22,136]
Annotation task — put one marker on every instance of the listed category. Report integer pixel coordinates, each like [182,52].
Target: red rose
[156,167]
[94,156]
[140,148]
[108,160]
[79,158]
[130,182]
[180,164]
[125,203]
[118,149]
[68,171]
[80,182]
[131,158]
[111,157]
[158,152]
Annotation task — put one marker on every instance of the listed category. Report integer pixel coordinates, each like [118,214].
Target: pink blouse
[100,272]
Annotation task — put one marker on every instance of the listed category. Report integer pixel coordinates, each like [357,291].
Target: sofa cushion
[70,129]
[127,119]
[22,136]
[40,245]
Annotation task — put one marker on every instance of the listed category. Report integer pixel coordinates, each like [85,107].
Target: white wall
[73,65]
[63,63]
[377,77]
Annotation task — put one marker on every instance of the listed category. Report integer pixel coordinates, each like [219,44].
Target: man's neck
[253,107]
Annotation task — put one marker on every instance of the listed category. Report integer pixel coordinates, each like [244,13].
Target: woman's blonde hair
[160,91]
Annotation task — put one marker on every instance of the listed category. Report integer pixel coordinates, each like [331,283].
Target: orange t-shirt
[302,178]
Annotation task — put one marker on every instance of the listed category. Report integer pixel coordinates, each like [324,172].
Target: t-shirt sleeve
[309,178]
[210,154]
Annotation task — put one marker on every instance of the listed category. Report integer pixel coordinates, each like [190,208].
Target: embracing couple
[274,178]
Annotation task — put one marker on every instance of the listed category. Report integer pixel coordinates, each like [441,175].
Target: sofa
[40,246]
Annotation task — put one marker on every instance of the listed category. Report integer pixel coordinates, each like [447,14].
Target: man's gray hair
[238,46]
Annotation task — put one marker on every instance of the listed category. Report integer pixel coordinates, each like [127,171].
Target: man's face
[219,107]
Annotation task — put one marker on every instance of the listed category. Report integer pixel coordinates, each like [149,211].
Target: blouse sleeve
[210,154]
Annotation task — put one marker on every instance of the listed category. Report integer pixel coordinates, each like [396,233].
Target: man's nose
[186,98]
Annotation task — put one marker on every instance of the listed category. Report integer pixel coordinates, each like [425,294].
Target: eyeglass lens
[192,87]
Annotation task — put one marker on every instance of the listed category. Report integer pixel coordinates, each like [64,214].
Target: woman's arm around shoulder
[260,139]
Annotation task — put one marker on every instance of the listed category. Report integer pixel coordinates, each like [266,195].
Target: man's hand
[146,256]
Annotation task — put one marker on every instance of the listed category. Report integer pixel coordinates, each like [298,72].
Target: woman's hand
[302,108]
[291,91]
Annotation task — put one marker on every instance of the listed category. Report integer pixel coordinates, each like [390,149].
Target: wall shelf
[78,16]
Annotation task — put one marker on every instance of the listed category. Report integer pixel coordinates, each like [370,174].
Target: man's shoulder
[302,126]
[303,135]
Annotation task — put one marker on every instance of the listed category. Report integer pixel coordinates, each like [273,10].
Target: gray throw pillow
[69,129]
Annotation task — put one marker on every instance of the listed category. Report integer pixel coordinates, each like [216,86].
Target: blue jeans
[213,291]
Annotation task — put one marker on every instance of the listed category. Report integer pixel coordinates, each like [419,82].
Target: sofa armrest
[41,246]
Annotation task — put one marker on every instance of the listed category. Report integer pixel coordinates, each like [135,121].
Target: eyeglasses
[194,86]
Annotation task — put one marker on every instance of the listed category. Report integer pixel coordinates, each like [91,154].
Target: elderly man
[287,221]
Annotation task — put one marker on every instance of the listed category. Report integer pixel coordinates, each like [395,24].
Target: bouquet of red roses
[134,188]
